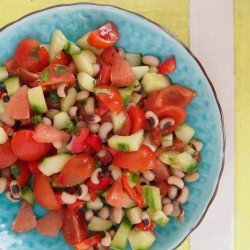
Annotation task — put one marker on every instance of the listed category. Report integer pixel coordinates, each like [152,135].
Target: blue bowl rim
[196,60]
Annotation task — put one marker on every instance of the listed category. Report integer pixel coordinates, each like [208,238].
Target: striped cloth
[209,29]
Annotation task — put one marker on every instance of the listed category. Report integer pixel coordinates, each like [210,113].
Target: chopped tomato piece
[56,74]
[161,171]
[31,55]
[44,193]
[155,137]
[62,58]
[47,134]
[110,97]
[105,36]
[131,192]
[18,105]
[126,127]
[77,169]
[108,55]
[21,172]
[85,244]
[137,119]
[167,66]
[163,186]
[104,183]
[25,220]
[50,224]
[115,195]
[79,143]
[104,77]
[26,148]
[33,166]
[138,161]
[74,227]
[144,227]
[95,142]
[78,204]
[174,112]
[121,72]
[7,156]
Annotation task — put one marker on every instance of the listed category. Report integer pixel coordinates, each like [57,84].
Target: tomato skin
[115,195]
[121,72]
[78,204]
[163,186]
[62,58]
[26,148]
[56,74]
[95,142]
[7,156]
[31,55]
[23,177]
[77,169]
[104,77]
[13,107]
[85,244]
[104,184]
[155,137]
[137,161]
[44,193]
[108,55]
[74,227]
[174,112]
[79,143]
[173,95]
[110,97]
[137,119]
[167,66]
[33,167]
[105,36]
[161,171]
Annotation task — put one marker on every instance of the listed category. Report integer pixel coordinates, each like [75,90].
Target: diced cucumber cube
[127,143]
[134,215]
[86,82]
[69,101]
[27,194]
[36,100]
[185,162]
[140,71]
[185,133]
[154,82]
[98,225]
[71,48]
[167,140]
[3,73]
[118,120]
[62,121]
[12,84]
[135,97]
[152,197]
[53,164]
[95,205]
[133,59]
[158,216]
[168,157]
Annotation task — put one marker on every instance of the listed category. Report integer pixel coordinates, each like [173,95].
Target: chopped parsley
[37,119]
[53,97]
[60,70]
[44,77]
[15,170]
[123,147]
[34,53]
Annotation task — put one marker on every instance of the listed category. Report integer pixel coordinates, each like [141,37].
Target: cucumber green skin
[27,194]
[94,205]
[97,225]
[185,162]
[120,239]
[38,110]
[133,179]
[141,240]
[152,197]
[158,216]
[126,94]
[37,101]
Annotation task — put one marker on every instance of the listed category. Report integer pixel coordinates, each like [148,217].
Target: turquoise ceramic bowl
[142,36]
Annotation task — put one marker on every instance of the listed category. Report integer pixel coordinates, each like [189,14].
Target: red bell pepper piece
[143,227]
[77,204]
[104,183]
[167,66]
[79,143]
[85,244]
[131,192]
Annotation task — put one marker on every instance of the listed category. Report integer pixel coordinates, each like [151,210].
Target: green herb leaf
[60,70]
[15,170]
[34,53]
[44,77]
[37,119]
[123,147]
[53,97]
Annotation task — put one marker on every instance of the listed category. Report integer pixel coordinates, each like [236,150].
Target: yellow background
[174,15]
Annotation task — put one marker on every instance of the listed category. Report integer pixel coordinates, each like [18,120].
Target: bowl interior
[141,36]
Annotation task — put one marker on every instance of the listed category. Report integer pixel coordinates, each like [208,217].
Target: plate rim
[178,40]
